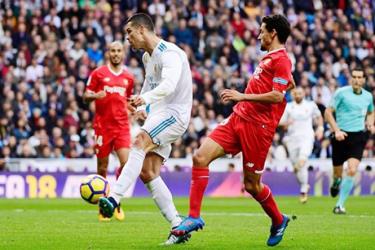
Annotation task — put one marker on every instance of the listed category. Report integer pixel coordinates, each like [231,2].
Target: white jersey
[302,116]
[168,81]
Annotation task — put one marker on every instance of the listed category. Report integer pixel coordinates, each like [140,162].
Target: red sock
[199,181]
[269,205]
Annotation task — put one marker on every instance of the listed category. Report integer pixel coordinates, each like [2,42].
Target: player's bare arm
[328,115]
[291,84]
[90,96]
[370,119]
[270,97]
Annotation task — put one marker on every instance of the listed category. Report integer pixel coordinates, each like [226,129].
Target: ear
[273,33]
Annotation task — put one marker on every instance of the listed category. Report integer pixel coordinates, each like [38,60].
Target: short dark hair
[278,23]
[359,68]
[141,19]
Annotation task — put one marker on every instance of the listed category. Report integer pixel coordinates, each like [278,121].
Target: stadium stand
[49,48]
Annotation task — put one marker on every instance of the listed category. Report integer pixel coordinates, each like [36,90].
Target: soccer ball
[93,187]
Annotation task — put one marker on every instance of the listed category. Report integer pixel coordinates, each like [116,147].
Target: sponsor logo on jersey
[115,89]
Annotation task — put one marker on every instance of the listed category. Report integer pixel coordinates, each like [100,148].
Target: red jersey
[111,111]
[272,73]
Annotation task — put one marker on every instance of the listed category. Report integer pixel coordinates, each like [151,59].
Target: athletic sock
[129,174]
[199,181]
[162,197]
[346,187]
[302,177]
[269,205]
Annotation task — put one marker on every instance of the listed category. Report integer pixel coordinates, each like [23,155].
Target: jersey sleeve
[282,75]
[335,100]
[92,82]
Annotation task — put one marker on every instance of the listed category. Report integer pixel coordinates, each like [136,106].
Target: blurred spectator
[49,48]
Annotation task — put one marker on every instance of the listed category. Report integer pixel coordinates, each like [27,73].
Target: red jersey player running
[249,129]
[110,86]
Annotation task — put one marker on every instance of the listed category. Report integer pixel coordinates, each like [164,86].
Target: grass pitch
[231,223]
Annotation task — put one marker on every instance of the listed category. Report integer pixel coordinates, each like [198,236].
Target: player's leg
[122,154]
[305,150]
[339,156]
[129,173]
[356,142]
[207,152]
[255,141]
[159,191]
[346,185]
[223,139]
[103,147]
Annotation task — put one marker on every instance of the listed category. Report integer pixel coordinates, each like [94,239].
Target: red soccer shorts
[106,141]
[253,139]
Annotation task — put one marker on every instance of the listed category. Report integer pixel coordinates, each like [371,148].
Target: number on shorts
[98,140]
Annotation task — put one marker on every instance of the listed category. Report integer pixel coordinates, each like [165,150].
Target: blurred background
[49,48]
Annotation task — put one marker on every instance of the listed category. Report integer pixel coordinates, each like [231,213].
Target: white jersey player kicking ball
[164,105]
[298,118]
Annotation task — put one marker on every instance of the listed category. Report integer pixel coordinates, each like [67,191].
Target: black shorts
[351,147]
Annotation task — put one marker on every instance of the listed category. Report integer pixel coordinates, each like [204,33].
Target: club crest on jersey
[266,61]
[107,79]
[126,82]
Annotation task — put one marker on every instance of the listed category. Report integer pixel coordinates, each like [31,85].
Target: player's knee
[200,160]
[252,188]
[142,141]
[147,175]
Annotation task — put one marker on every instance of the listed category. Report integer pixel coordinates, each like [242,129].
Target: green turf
[230,224]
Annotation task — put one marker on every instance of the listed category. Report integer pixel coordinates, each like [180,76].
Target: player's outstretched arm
[170,75]
[89,96]
[273,96]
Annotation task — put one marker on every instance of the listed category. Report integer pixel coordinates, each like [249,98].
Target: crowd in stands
[49,48]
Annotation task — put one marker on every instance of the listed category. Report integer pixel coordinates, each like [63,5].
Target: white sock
[163,199]
[302,177]
[129,174]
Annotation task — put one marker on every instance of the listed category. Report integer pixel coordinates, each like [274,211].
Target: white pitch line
[203,213]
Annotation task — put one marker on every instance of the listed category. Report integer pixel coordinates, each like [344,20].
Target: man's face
[298,95]
[116,53]
[358,80]
[133,35]
[265,37]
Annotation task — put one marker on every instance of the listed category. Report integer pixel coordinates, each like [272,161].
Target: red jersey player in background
[110,86]
[249,129]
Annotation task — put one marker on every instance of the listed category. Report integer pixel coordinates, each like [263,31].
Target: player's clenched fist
[136,101]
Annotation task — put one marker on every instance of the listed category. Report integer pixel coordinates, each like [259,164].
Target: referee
[354,114]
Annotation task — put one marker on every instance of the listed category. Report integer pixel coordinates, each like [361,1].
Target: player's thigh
[255,140]
[163,128]
[339,151]
[293,151]
[306,148]
[121,145]
[222,140]
[207,152]
[103,144]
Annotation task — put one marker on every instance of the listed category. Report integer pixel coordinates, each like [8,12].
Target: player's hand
[340,135]
[370,127]
[231,95]
[101,94]
[131,109]
[140,116]
[136,101]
